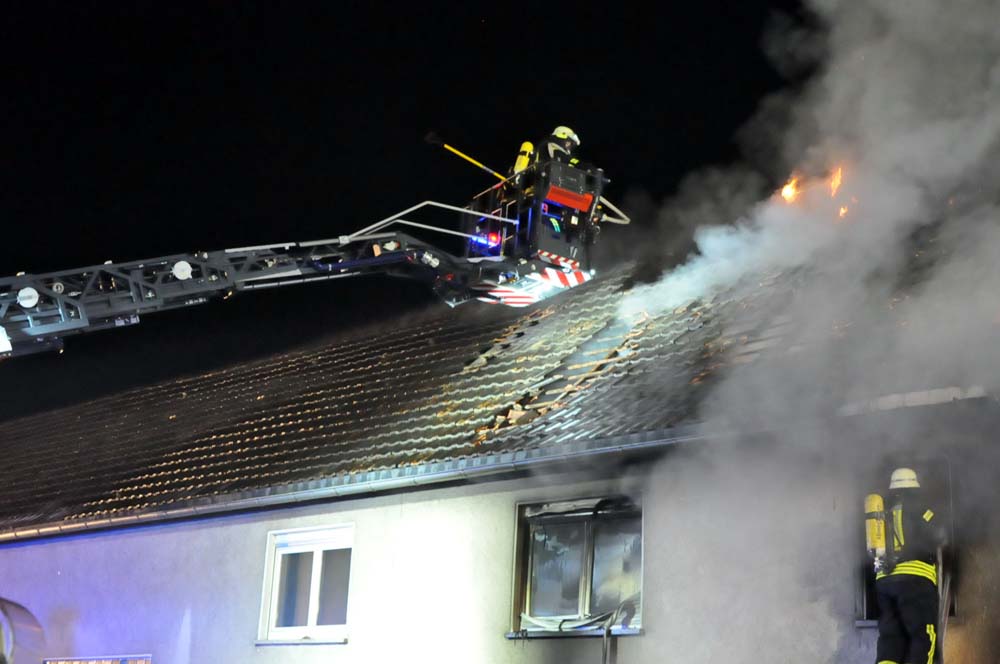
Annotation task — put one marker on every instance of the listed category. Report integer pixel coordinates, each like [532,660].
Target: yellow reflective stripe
[928,515]
[912,572]
[887,661]
[913,568]
[933,635]
[897,520]
[916,568]
[918,565]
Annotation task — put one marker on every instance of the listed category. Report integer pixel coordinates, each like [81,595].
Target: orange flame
[791,190]
[843,211]
[838,177]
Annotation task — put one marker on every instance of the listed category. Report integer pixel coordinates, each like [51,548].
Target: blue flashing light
[490,240]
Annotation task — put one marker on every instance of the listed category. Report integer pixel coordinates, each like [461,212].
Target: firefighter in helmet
[559,146]
[907,584]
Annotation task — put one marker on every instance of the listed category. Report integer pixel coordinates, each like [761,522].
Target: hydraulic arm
[525,239]
[38,310]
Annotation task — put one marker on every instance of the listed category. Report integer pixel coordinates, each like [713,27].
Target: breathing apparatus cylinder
[875,529]
[523,156]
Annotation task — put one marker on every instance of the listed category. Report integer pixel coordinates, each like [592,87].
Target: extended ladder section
[524,240]
[38,310]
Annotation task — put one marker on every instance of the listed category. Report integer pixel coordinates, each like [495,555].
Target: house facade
[433,578]
[494,489]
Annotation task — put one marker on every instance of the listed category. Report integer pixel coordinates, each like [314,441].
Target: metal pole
[366,232]
[435,228]
[391,219]
[472,161]
[434,139]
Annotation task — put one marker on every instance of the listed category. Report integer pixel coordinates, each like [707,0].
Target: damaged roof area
[446,394]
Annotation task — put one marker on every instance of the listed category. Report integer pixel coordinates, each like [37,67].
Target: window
[306,583]
[579,567]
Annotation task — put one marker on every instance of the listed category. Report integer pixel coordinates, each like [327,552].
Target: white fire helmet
[565,133]
[904,478]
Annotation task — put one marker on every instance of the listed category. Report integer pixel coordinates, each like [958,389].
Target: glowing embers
[798,191]
[790,192]
[835,181]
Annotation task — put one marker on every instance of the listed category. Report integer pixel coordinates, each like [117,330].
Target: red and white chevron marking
[509,297]
[564,279]
[561,261]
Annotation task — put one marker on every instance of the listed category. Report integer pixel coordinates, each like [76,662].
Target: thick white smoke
[906,100]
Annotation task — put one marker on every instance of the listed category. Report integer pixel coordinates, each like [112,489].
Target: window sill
[302,642]
[577,633]
[873,624]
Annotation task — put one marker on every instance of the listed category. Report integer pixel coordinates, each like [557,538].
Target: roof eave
[367,483]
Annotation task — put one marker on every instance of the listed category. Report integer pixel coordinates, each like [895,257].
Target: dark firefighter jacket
[913,535]
[551,149]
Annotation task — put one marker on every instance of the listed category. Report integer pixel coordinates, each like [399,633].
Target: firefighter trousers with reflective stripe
[907,624]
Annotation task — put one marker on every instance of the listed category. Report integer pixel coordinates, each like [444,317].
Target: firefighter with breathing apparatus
[903,537]
[559,146]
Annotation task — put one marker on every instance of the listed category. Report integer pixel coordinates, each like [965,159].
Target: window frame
[524,559]
[317,540]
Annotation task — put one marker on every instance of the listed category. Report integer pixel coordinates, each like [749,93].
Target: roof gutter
[373,482]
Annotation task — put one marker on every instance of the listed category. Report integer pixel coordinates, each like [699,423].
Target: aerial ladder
[522,240]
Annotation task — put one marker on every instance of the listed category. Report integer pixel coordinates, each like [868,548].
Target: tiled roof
[452,386]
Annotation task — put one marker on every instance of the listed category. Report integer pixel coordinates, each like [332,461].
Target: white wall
[736,569]
[430,582]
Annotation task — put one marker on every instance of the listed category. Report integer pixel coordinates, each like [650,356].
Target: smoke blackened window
[579,567]
[617,562]
[557,556]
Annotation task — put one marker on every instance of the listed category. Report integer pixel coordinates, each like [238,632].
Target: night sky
[132,130]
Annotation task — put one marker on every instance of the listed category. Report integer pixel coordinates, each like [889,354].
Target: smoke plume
[906,103]
[895,271]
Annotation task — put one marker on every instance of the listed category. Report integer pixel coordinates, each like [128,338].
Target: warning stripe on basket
[564,279]
[556,259]
[509,297]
